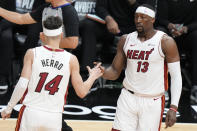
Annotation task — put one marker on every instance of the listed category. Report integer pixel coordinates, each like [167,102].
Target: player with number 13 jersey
[145,61]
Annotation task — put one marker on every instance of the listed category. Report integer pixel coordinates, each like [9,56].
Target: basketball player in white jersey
[146,54]
[45,77]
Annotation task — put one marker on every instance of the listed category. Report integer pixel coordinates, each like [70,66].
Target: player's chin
[140,29]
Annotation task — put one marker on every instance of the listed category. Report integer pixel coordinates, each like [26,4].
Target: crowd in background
[177,18]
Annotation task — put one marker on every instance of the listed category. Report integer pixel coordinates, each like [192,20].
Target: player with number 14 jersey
[49,81]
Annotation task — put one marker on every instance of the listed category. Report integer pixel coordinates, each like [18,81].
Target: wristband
[173,109]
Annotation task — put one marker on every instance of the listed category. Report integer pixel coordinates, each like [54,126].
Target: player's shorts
[135,113]
[36,120]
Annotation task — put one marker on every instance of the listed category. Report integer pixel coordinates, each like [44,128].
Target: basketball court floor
[97,110]
[84,125]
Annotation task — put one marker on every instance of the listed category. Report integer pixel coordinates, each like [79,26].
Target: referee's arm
[16,18]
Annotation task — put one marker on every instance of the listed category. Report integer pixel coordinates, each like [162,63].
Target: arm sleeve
[71,21]
[17,94]
[36,14]
[176,82]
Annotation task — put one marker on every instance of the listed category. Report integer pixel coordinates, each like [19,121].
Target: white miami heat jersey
[48,84]
[146,70]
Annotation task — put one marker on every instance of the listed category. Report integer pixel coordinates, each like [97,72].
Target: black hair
[52,22]
[148,6]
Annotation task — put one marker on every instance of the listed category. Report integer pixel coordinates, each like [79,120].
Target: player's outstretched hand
[5,114]
[101,67]
[95,72]
[170,118]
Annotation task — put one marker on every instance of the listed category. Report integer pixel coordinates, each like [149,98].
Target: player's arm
[82,88]
[21,85]
[171,53]
[15,17]
[119,61]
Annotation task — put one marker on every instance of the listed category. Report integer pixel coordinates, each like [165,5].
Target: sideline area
[83,125]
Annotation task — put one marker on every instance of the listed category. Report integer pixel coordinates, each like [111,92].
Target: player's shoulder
[167,42]
[131,35]
[30,51]
[29,55]
[167,39]
[73,61]
[122,41]
[124,37]
[73,57]
[134,33]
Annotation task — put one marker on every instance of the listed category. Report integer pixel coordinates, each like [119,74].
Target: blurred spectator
[119,18]
[178,18]
[7,30]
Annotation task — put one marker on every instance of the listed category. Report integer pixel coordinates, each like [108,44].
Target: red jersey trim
[56,50]
[18,123]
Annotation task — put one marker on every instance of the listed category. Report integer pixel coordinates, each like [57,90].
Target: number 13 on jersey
[142,66]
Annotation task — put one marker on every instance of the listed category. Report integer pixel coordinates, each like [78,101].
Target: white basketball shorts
[36,120]
[135,113]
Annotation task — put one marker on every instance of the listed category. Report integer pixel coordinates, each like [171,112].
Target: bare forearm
[88,84]
[85,87]
[69,42]
[10,16]
[15,17]
[110,74]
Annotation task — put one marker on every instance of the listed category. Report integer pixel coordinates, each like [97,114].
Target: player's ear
[153,20]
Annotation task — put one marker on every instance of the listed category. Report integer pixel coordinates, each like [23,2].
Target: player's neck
[53,44]
[59,3]
[147,35]
[150,34]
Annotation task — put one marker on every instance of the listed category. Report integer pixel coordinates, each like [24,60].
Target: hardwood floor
[82,125]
